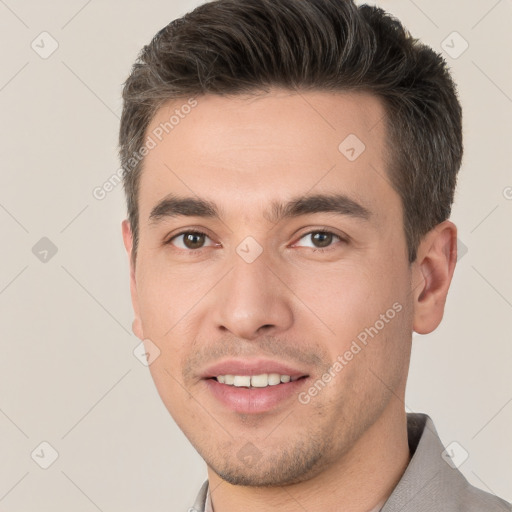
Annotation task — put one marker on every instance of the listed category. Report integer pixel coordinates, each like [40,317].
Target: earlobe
[128,244]
[434,267]
[137,328]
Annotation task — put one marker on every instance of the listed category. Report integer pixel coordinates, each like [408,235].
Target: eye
[320,240]
[190,240]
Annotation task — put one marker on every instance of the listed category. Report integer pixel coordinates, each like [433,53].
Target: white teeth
[259,381]
[242,381]
[273,379]
[255,381]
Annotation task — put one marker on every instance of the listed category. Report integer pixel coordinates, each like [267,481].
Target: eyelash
[200,233]
[194,252]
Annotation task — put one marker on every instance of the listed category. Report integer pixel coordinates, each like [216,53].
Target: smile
[255,381]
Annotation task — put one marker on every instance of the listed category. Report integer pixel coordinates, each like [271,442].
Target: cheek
[355,302]
[168,382]
[166,295]
[343,297]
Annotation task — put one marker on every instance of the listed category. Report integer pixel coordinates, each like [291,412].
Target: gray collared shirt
[431,482]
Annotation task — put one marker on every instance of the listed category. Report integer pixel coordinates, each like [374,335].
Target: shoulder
[200,502]
[432,482]
[476,500]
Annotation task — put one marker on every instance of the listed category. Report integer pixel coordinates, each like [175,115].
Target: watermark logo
[44,45]
[249,249]
[455,455]
[351,147]
[44,250]
[44,455]
[249,455]
[146,352]
[454,45]
[462,249]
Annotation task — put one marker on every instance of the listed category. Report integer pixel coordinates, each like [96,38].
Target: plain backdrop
[68,374]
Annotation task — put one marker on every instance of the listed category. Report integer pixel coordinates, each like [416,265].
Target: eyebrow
[341,204]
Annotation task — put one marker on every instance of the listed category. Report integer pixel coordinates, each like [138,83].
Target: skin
[347,448]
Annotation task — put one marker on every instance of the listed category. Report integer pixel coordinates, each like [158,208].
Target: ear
[432,275]
[128,244]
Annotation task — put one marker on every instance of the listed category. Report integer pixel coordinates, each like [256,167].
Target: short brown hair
[247,46]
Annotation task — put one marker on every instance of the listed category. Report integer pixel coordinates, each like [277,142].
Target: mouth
[254,387]
[256,381]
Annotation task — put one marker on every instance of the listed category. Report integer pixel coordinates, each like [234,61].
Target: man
[290,169]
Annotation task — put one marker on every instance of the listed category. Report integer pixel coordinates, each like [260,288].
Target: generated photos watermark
[100,192]
[357,345]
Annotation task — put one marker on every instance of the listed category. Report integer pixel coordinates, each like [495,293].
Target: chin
[275,470]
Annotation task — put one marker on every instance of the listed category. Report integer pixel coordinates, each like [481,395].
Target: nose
[252,300]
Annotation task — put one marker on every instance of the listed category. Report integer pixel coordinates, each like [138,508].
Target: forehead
[244,152]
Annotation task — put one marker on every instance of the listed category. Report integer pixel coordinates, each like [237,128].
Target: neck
[364,478]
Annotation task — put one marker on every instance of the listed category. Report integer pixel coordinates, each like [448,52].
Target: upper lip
[251,367]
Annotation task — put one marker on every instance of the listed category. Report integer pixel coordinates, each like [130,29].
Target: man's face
[317,293]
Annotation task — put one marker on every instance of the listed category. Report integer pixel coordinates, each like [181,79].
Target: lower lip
[254,400]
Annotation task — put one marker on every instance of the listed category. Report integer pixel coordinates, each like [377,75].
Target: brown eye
[321,238]
[192,240]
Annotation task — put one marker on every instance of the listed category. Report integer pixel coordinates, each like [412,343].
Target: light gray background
[68,375]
